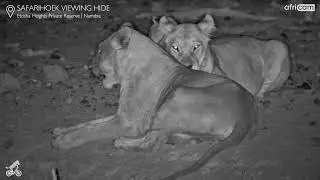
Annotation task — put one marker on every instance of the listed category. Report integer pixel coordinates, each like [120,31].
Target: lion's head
[112,54]
[187,42]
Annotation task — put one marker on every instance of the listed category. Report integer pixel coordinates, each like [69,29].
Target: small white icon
[10,10]
[13,169]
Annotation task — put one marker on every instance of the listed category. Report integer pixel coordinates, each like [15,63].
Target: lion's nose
[102,76]
[96,71]
[187,61]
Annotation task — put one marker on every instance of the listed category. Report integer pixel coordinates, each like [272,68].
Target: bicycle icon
[13,169]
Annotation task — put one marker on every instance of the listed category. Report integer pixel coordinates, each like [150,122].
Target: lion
[259,66]
[160,96]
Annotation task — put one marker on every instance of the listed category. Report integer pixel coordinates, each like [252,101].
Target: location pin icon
[10,10]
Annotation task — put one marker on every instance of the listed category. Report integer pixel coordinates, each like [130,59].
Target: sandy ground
[286,145]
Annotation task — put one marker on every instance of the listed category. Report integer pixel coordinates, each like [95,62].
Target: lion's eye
[175,48]
[99,51]
[197,46]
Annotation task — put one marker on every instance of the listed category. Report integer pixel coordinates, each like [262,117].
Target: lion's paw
[128,143]
[153,141]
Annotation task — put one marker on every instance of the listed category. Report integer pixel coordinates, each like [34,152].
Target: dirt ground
[286,144]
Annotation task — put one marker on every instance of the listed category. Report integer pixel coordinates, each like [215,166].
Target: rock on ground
[55,73]
[8,83]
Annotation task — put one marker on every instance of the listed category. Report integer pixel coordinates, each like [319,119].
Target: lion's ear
[154,20]
[160,29]
[207,25]
[122,38]
[127,24]
[167,23]
[155,33]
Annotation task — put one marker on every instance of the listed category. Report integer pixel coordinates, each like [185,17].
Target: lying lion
[159,96]
[259,66]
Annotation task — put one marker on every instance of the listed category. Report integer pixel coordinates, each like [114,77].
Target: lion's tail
[239,132]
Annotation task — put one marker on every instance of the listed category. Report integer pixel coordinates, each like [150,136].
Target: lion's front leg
[74,136]
[277,66]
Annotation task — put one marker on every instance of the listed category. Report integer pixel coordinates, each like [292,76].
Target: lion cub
[258,65]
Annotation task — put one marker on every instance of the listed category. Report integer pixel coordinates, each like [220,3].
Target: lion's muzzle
[190,62]
[110,77]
